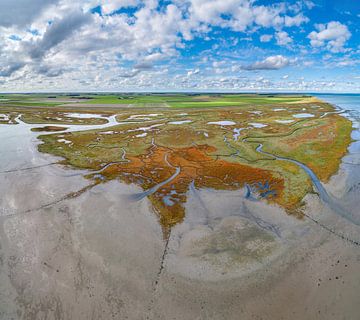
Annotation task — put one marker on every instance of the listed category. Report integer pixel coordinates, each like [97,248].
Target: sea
[348,102]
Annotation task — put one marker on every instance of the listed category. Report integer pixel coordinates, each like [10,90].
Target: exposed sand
[99,256]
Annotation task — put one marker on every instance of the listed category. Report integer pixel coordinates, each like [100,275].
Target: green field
[140,100]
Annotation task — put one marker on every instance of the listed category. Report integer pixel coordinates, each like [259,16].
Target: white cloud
[282,38]
[270,63]
[309,4]
[296,20]
[22,12]
[141,49]
[240,14]
[109,6]
[266,37]
[192,72]
[154,32]
[332,35]
[58,31]
[308,63]
[268,16]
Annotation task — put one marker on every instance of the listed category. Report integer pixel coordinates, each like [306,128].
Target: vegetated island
[169,143]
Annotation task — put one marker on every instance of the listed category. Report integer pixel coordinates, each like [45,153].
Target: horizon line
[179,92]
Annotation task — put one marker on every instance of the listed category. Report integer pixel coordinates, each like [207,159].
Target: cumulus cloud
[239,15]
[282,38]
[48,70]
[268,16]
[137,69]
[309,4]
[22,12]
[134,47]
[145,65]
[332,35]
[109,6]
[270,63]
[58,31]
[266,37]
[153,32]
[192,72]
[130,74]
[295,20]
[9,68]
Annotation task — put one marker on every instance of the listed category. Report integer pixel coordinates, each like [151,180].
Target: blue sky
[180,45]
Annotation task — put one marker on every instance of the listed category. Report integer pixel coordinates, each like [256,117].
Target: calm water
[351,162]
[348,102]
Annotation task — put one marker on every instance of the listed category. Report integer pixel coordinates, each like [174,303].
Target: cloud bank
[127,44]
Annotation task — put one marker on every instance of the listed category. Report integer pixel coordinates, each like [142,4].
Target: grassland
[176,100]
[207,140]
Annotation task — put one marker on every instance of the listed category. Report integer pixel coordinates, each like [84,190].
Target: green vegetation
[212,141]
[177,100]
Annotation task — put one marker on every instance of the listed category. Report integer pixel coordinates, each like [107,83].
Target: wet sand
[99,257]
[102,256]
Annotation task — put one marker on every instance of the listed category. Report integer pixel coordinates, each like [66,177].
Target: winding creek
[152,190]
[332,202]
[111,121]
[346,206]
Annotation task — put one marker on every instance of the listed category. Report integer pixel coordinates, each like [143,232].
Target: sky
[180,45]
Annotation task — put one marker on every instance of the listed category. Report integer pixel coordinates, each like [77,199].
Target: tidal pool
[180,122]
[258,125]
[223,123]
[284,121]
[303,115]
[82,115]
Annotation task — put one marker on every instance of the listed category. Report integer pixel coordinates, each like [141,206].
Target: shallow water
[303,115]
[180,122]
[82,115]
[258,125]
[350,104]
[222,123]
[33,174]
[19,143]
[284,121]
[237,132]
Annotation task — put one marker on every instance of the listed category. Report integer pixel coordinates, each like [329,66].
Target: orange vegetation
[160,163]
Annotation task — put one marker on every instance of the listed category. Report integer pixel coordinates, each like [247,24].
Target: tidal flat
[130,207]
